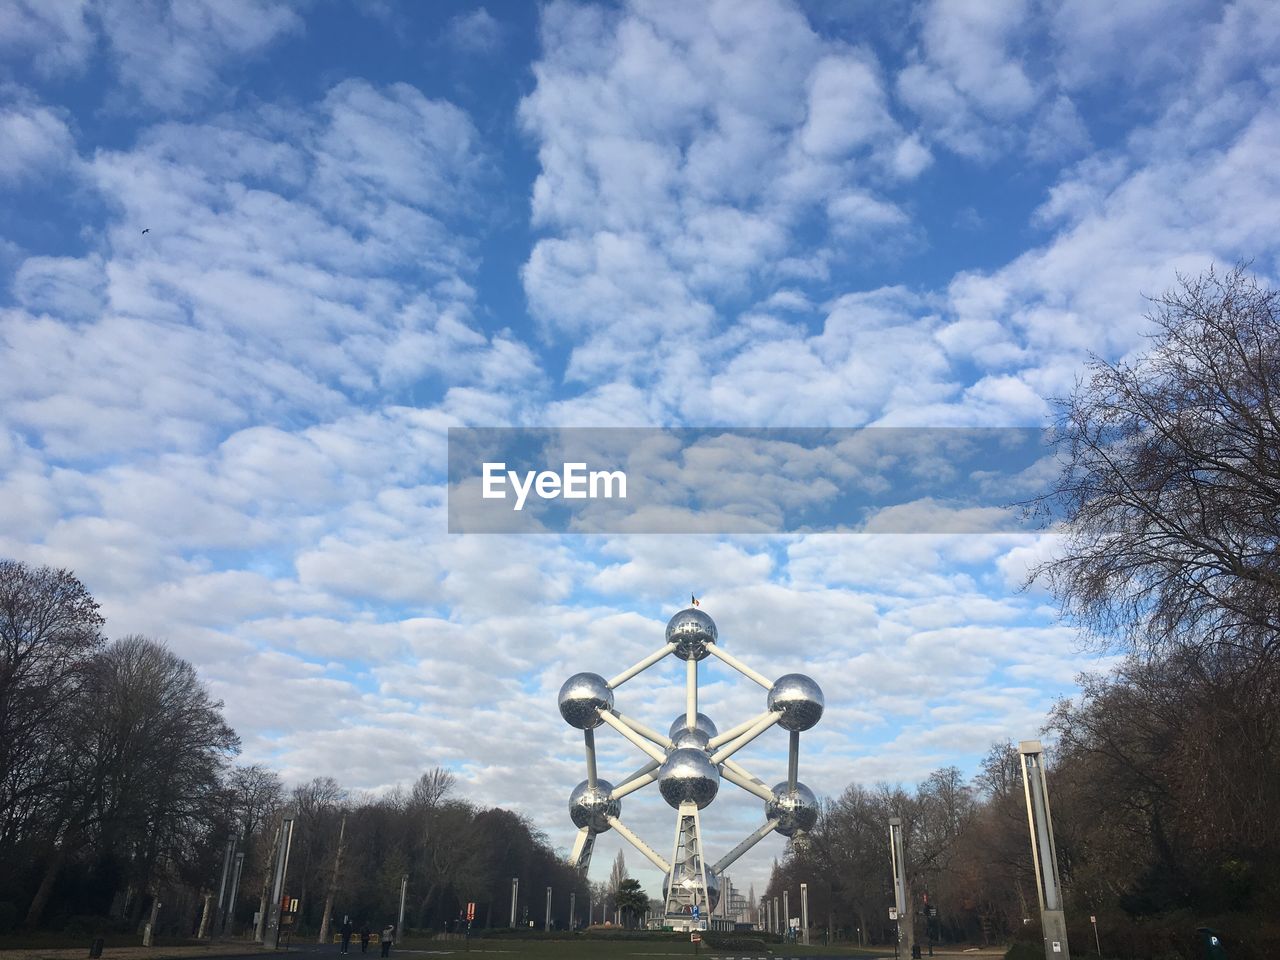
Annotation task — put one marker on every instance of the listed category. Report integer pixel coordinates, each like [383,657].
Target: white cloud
[967,76]
[475,32]
[169,53]
[673,178]
[35,143]
[260,303]
[55,33]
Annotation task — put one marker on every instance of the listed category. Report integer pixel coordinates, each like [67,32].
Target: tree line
[119,791]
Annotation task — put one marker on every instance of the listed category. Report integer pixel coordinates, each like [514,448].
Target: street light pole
[515,892]
[282,871]
[804,912]
[1044,855]
[235,890]
[404,888]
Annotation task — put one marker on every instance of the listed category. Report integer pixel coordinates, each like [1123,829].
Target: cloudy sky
[368,222]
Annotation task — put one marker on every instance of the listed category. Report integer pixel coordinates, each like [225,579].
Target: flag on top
[694,600]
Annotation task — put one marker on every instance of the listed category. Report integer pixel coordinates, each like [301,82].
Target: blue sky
[367,223]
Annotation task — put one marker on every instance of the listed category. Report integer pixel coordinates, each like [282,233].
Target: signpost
[288,918]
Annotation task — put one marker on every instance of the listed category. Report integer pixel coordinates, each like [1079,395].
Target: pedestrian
[365,934]
[347,929]
[388,935]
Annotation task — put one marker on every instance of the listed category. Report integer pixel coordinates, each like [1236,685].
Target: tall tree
[49,629]
[1170,492]
[617,874]
[144,752]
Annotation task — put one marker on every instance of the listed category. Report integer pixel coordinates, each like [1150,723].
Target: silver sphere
[795,810]
[798,699]
[691,630]
[691,882]
[582,698]
[690,739]
[592,808]
[688,775]
[701,722]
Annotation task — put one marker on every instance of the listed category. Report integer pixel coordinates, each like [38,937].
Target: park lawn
[61,946]
[604,949]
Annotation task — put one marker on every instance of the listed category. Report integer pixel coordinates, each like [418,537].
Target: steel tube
[643,745]
[647,732]
[735,732]
[741,667]
[691,694]
[589,741]
[760,833]
[644,664]
[625,832]
[793,760]
[747,784]
[729,749]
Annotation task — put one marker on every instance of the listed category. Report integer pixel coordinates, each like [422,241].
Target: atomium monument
[688,763]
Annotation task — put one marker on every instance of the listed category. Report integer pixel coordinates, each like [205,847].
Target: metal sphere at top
[582,698]
[688,776]
[795,810]
[691,630]
[701,722]
[798,699]
[592,808]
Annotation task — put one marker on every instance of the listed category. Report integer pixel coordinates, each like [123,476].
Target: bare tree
[1170,494]
[49,628]
[144,754]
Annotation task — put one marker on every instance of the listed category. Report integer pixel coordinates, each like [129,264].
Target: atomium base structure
[688,764]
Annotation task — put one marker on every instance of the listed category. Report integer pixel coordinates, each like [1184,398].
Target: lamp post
[282,871]
[1044,856]
[230,913]
[804,912]
[897,857]
[404,888]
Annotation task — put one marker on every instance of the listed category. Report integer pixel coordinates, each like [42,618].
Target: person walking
[347,929]
[365,934]
[388,935]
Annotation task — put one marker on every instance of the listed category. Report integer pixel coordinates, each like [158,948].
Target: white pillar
[804,912]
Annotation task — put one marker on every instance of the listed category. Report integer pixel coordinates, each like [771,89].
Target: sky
[258,256]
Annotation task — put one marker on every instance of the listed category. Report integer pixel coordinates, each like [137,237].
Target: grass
[601,948]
